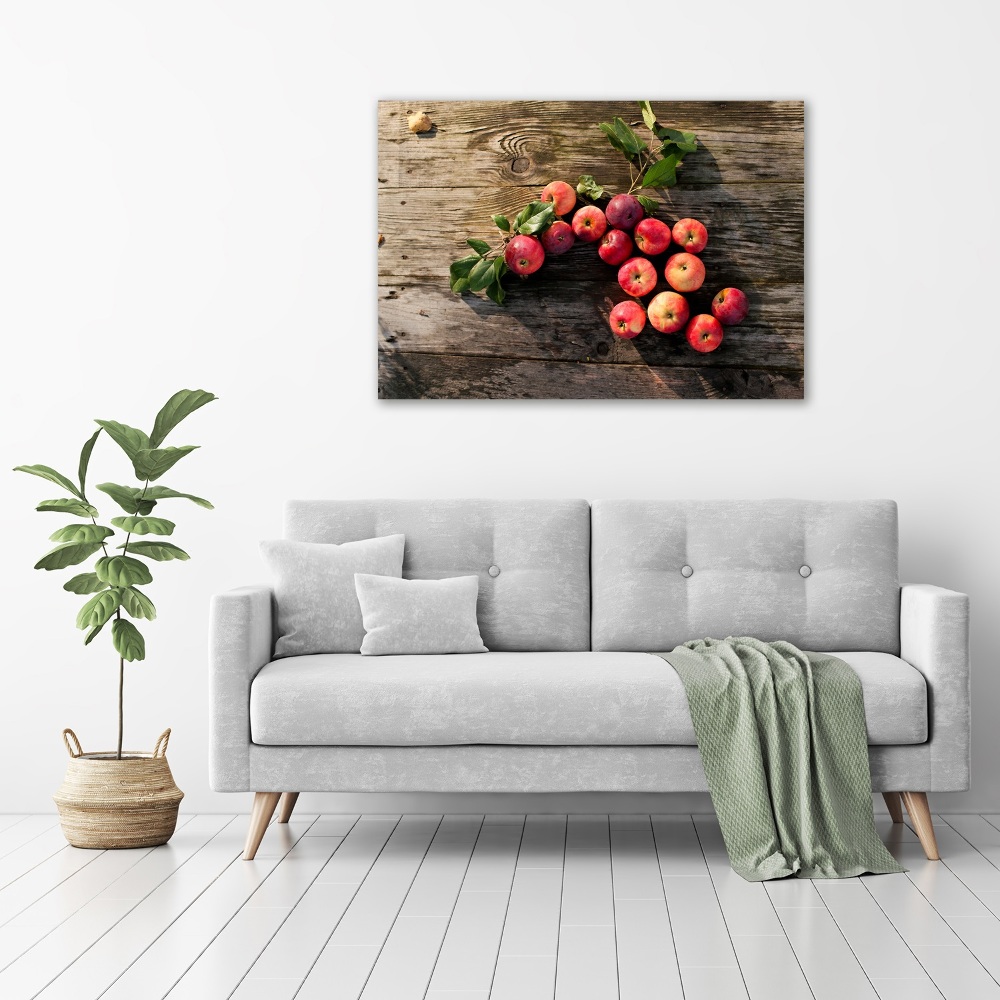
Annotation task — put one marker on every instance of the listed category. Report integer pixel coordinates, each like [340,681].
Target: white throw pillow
[419,616]
[318,610]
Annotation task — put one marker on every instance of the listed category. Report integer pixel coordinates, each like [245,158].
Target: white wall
[187,199]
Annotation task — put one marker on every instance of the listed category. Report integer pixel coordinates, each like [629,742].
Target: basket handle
[67,735]
[160,750]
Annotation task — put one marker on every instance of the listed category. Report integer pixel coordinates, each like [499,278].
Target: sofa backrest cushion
[822,575]
[532,557]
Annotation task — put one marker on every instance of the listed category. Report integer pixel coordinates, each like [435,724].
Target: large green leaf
[502,222]
[663,173]
[166,493]
[151,463]
[99,609]
[44,472]
[541,215]
[128,641]
[127,497]
[160,551]
[480,246]
[481,275]
[85,454]
[144,525]
[122,571]
[67,555]
[137,604]
[180,405]
[131,440]
[85,583]
[67,505]
[81,533]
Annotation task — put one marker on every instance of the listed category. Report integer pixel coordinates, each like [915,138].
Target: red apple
[627,319]
[637,277]
[668,312]
[652,236]
[704,333]
[684,272]
[524,254]
[624,211]
[730,306]
[589,224]
[562,196]
[616,246]
[558,238]
[691,235]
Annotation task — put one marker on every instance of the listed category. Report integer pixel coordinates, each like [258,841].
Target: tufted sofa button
[686,571]
[804,571]
[494,571]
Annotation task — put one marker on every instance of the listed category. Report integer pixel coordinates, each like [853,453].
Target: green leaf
[461,267]
[502,222]
[44,472]
[99,609]
[649,204]
[66,505]
[662,173]
[480,246]
[151,463]
[496,292]
[67,555]
[686,142]
[180,405]
[81,533]
[630,142]
[155,493]
[589,187]
[609,130]
[84,583]
[128,640]
[85,454]
[482,275]
[127,497]
[535,217]
[122,571]
[160,551]
[131,440]
[647,114]
[461,286]
[144,525]
[137,604]
[499,268]
[92,633]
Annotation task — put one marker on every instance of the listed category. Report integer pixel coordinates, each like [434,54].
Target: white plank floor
[476,907]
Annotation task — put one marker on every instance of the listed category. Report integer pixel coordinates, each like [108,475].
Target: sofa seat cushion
[527,699]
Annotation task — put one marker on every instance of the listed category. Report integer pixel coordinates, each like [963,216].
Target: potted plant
[119,798]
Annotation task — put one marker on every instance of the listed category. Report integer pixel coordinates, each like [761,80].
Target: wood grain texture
[745,181]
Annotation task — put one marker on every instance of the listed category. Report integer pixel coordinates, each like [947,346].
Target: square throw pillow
[419,616]
[318,610]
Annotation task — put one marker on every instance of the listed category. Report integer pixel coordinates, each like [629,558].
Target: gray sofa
[573,597]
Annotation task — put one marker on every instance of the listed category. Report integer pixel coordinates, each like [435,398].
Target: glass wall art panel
[591,249]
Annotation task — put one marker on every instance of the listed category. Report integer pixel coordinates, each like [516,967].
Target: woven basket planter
[106,803]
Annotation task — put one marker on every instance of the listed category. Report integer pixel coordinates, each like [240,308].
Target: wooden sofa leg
[287,804]
[920,816]
[894,805]
[260,816]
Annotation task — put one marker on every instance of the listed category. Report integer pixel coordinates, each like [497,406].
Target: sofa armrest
[241,640]
[934,638]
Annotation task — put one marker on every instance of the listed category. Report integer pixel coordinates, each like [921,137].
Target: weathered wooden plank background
[551,339]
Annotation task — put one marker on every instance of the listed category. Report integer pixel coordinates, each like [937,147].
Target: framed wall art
[591,250]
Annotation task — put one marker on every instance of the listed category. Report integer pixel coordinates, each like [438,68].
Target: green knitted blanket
[783,741]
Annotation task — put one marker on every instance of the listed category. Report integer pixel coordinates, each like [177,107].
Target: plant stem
[121,703]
